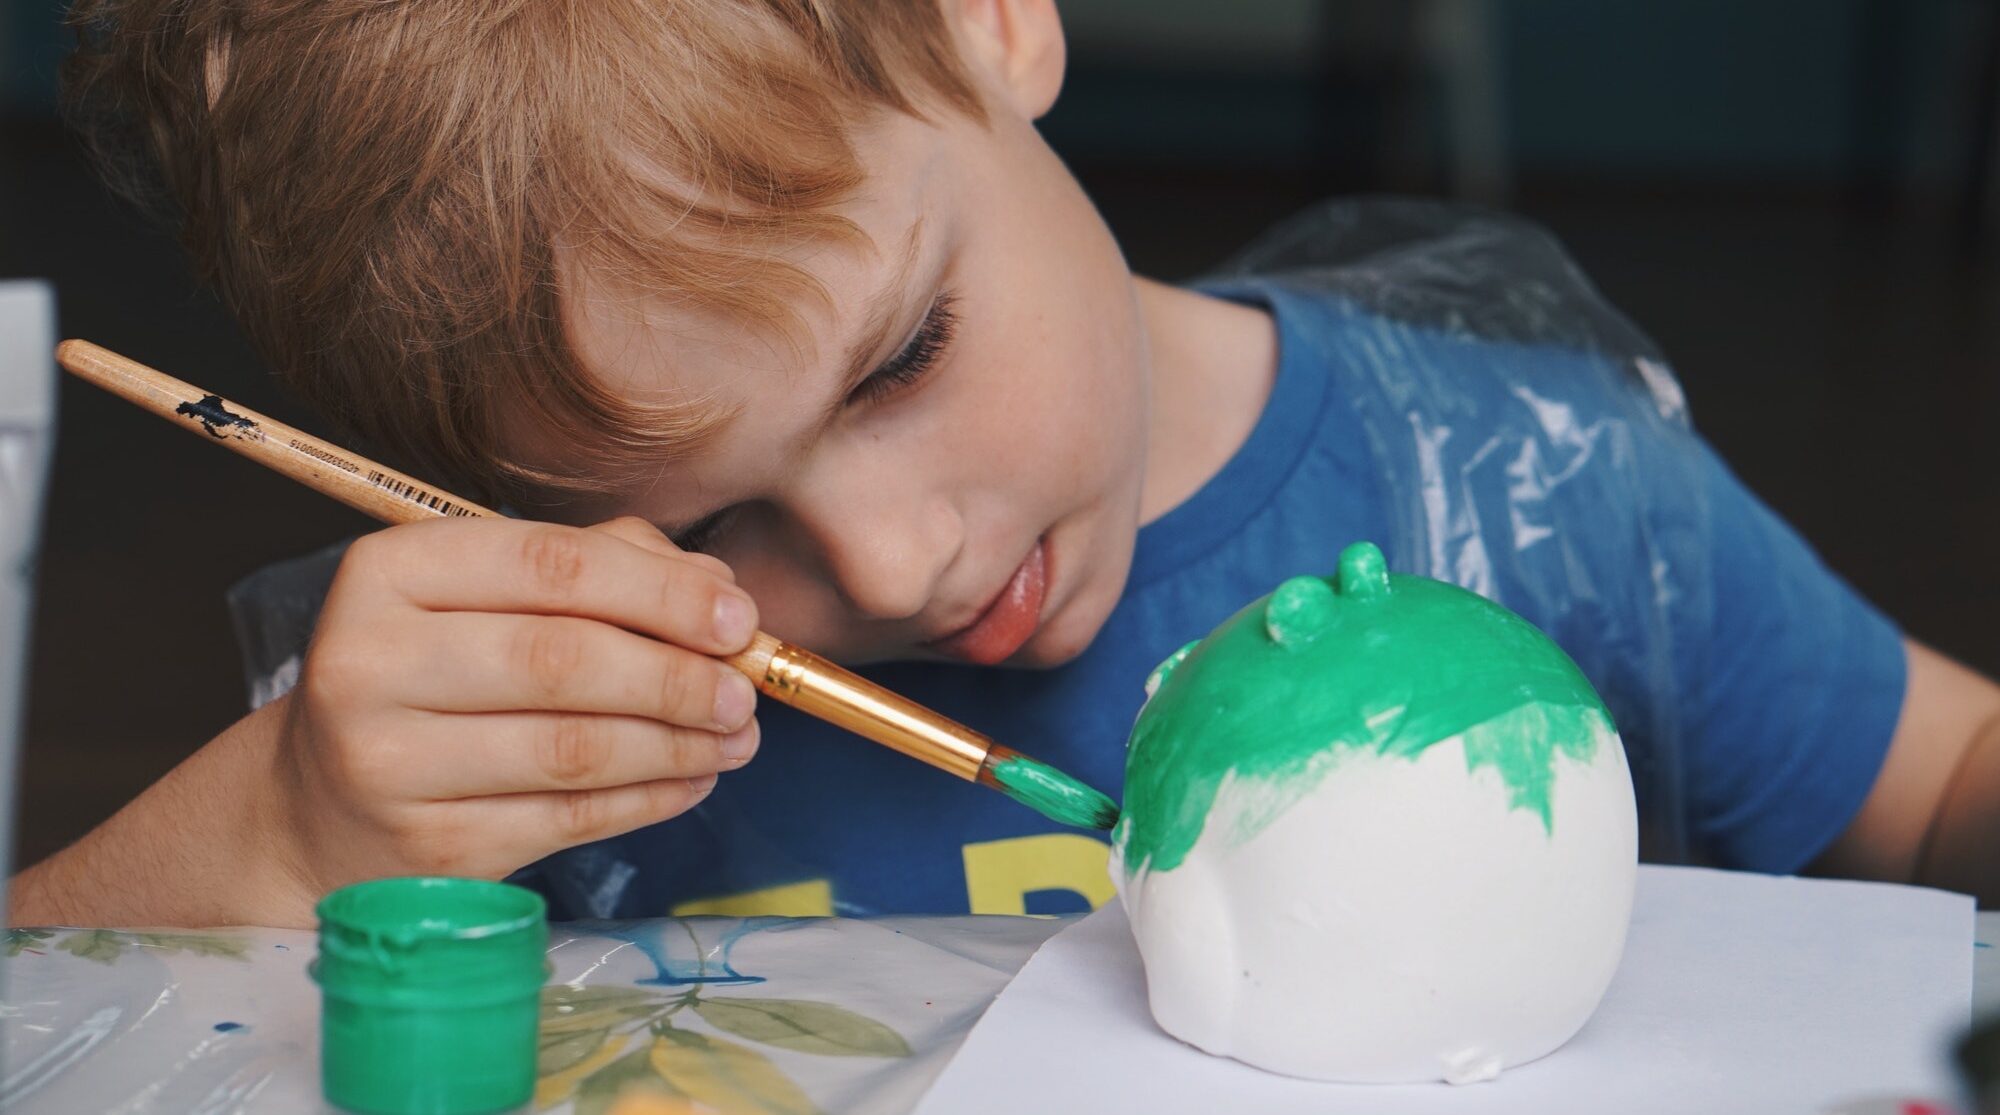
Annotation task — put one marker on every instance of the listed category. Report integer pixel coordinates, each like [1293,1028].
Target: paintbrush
[785,673]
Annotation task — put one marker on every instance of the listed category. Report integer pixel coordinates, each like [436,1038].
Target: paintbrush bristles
[1046,790]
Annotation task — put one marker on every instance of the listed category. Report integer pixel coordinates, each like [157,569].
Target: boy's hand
[479,693]
[482,692]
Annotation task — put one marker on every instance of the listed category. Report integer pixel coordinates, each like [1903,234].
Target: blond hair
[381,189]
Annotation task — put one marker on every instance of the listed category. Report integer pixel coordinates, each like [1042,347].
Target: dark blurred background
[1792,196]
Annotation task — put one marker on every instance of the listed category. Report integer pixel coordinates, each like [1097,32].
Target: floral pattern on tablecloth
[759,1016]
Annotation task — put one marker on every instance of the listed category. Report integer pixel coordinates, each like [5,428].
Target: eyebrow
[884,306]
[883,309]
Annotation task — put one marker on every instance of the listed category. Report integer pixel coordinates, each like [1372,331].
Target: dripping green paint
[1052,793]
[1363,663]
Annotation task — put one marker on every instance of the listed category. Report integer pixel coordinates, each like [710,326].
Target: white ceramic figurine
[1376,829]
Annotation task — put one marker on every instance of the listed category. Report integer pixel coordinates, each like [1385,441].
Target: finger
[512,753]
[481,662]
[648,537]
[499,565]
[564,818]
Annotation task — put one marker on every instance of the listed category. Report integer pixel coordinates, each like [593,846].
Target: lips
[1008,622]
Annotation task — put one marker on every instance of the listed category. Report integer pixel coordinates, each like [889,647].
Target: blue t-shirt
[1755,691]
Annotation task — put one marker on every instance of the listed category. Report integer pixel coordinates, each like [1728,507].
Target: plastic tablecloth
[756,1015]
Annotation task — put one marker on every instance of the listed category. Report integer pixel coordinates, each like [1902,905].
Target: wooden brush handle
[373,489]
[754,662]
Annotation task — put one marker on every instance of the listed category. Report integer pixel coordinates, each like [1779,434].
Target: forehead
[677,353]
[659,349]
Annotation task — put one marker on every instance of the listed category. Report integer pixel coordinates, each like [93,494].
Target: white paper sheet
[1737,993]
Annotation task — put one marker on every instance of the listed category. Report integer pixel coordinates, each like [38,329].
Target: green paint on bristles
[1052,793]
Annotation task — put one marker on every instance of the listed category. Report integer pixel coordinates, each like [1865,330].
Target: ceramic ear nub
[1159,675]
[1300,609]
[1363,571]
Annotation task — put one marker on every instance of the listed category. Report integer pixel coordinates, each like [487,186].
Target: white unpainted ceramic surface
[1397,924]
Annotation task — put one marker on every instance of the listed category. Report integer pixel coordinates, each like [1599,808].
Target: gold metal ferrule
[819,688]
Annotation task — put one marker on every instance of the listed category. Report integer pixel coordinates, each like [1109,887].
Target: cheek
[1090,399]
[1052,403]
[1058,345]
[793,602]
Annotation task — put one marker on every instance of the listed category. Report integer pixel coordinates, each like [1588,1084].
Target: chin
[1074,625]
[1038,656]
[1068,634]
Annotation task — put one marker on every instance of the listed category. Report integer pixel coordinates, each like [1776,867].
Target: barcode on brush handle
[415,494]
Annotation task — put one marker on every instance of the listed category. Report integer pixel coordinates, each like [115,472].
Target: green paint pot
[430,995]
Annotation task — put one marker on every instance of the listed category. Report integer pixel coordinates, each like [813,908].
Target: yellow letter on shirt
[1000,874]
[810,899]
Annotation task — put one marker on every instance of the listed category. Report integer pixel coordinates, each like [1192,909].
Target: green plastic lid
[430,995]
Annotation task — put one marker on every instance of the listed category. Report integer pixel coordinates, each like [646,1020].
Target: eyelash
[918,358]
[697,534]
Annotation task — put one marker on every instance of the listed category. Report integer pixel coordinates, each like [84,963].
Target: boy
[781,313]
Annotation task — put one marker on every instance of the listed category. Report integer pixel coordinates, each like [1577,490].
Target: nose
[886,541]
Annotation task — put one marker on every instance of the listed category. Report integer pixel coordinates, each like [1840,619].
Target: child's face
[980,463]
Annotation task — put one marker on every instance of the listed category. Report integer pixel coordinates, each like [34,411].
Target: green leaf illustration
[804,1026]
[105,946]
[558,1086]
[102,945]
[18,939]
[730,1078]
[198,944]
[602,1088]
[571,1009]
[559,1051]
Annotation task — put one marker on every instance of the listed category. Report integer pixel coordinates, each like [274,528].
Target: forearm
[196,849]
[1933,815]
[1961,851]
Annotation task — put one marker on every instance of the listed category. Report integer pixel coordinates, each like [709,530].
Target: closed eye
[699,533]
[918,357]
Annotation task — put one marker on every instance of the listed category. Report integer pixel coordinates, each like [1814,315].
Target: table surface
[793,1016]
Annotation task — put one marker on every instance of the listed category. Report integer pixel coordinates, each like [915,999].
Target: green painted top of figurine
[1323,668]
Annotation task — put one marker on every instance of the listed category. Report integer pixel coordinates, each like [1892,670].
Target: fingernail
[703,784]
[735,621]
[735,700]
[739,745]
